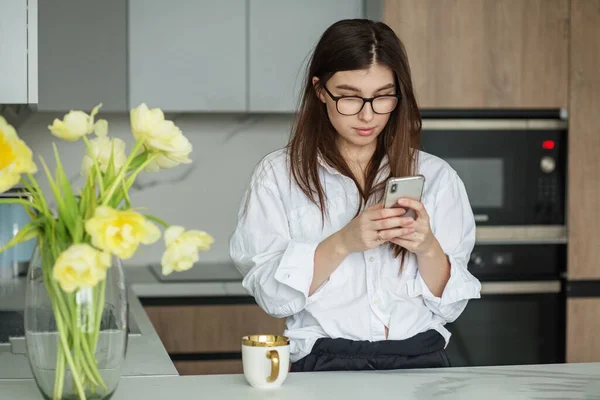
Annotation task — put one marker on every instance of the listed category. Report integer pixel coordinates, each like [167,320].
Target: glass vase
[76,342]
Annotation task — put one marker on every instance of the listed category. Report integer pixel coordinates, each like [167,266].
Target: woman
[361,286]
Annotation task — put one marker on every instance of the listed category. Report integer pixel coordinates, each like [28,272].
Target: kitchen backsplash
[203,195]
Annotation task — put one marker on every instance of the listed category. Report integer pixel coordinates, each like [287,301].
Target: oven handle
[517,287]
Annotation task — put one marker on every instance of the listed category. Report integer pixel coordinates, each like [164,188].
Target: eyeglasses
[352,105]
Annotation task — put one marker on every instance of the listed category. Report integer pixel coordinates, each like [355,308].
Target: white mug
[266,360]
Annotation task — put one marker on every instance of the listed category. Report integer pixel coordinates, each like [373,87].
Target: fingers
[383,213]
[415,205]
[393,222]
[390,234]
[407,244]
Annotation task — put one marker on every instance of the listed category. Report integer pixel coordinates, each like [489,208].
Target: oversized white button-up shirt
[279,229]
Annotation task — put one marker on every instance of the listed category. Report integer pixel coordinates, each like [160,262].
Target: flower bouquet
[76,346]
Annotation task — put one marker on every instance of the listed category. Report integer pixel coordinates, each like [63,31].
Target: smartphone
[409,187]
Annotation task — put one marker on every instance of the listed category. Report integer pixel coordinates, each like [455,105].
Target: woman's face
[363,128]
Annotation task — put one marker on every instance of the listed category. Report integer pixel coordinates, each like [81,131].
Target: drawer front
[210,328]
[215,367]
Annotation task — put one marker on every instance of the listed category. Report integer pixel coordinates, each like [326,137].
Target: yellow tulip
[160,136]
[77,124]
[182,248]
[120,232]
[79,267]
[16,157]
[101,148]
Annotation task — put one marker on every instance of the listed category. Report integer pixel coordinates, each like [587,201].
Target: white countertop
[560,381]
[203,281]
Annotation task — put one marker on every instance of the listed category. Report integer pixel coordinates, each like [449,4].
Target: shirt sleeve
[453,225]
[277,270]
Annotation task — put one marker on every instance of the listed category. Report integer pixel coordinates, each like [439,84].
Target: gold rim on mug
[265,340]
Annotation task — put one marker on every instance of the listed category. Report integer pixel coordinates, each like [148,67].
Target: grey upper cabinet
[188,55]
[82,55]
[18,54]
[282,35]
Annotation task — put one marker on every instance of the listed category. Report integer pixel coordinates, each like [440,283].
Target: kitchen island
[558,381]
[149,373]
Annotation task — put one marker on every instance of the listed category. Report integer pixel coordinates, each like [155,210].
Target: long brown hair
[352,45]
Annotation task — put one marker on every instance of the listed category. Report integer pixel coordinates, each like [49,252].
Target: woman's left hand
[422,240]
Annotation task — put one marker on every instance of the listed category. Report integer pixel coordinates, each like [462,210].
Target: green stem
[70,362]
[99,309]
[115,184]
[131,178]
[92,368]
[75,332]
[59,378]
[96,165]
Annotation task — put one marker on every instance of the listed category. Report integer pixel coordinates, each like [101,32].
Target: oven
[513,164]
[520,317]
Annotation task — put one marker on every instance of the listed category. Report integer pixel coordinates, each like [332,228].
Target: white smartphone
[409,187]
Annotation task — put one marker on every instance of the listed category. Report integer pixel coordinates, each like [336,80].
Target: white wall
[204,195]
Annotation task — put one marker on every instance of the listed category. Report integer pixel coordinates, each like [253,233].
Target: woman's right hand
[374,226]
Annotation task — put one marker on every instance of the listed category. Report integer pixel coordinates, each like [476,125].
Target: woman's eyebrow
[388,86]
[344,86]
[348,87]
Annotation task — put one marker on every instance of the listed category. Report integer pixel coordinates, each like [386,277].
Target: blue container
[14,261]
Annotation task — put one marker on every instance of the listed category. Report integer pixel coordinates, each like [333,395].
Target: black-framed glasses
[352,105]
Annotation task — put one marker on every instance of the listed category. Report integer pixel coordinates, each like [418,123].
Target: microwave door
[501,171]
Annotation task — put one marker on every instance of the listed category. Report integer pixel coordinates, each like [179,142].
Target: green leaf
[96,166]
[28,232]
[25,203]
[156,219]
[74,224]
[110,173]
[37,193]
[53,186]
[106,197]
[126,195]
[137,161]
[131,178]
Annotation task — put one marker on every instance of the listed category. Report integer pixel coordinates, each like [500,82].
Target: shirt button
[372,259]
[377,302]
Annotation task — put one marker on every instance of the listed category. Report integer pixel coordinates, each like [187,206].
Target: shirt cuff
[460,286]
[297,265]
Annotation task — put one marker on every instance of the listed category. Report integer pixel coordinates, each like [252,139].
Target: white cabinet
[18,51]
[188,55]
[82,55]
[282,35]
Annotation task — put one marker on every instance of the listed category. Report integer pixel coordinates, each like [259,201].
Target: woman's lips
[365,131]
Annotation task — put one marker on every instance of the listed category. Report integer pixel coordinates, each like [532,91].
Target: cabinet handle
[508,288]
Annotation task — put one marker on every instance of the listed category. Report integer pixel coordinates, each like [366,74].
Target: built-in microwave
[514,170]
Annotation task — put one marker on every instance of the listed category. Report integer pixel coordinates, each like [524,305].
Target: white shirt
[274,244]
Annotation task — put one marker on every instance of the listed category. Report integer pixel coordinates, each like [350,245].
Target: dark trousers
[424,350]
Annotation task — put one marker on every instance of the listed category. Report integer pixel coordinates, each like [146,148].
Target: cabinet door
[485,53]
[583,322]
[13,51]
[584,142]
[210,328]
[82,55]
[210,367]
[282,36]
[188,55]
